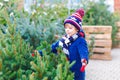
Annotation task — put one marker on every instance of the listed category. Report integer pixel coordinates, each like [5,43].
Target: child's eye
[70,27]
[65,27]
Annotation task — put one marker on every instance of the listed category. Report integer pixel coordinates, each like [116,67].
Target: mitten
[84,63]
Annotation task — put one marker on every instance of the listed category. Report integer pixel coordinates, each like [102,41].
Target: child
[74,44]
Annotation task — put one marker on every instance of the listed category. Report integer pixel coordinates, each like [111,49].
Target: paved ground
[104,70]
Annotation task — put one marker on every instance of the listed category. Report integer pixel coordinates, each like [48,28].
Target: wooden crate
[117,38]
[102,41]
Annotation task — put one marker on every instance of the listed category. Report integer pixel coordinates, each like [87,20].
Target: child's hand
[84,64]
[83,67]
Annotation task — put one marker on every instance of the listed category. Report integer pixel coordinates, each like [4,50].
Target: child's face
[70,29]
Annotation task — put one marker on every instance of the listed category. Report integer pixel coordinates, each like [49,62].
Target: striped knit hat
[76,19]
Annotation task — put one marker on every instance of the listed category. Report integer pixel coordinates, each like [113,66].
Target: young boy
[74,44]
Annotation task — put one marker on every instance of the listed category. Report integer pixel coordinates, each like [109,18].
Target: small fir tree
[50,66]
[14,53]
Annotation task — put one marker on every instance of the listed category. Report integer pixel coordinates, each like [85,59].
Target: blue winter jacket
[77,50]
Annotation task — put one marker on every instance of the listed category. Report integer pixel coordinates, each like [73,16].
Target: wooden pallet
[102,41]
[117,38]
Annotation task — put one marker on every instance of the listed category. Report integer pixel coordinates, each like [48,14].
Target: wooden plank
[119,30]
[117,46]
[101,57]
[102,43]
[105,43]
[97,29]
[118,36]
[118,24]
[102,50]
[98,36]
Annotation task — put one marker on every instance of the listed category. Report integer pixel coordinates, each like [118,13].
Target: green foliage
[50,66]
[14,54]
[36,26]
[91,46]
[97,14]
[42,24]
[7,7]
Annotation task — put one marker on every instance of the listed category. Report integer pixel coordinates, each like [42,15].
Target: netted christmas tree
[50,66]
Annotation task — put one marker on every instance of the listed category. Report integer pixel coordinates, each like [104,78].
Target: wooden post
[20,4]
[102,39]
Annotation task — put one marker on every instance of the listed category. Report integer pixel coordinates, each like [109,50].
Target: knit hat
[76,19]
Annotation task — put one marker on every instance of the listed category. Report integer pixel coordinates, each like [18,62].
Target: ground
[104,70]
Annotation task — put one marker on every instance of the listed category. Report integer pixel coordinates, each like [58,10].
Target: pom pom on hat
[76,18]
[81,12]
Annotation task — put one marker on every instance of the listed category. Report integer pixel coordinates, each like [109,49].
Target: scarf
[66,41]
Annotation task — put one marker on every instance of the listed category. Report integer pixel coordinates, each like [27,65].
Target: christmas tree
[50,66]
[15,54]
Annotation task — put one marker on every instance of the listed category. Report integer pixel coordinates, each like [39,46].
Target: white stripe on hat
[77,15]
